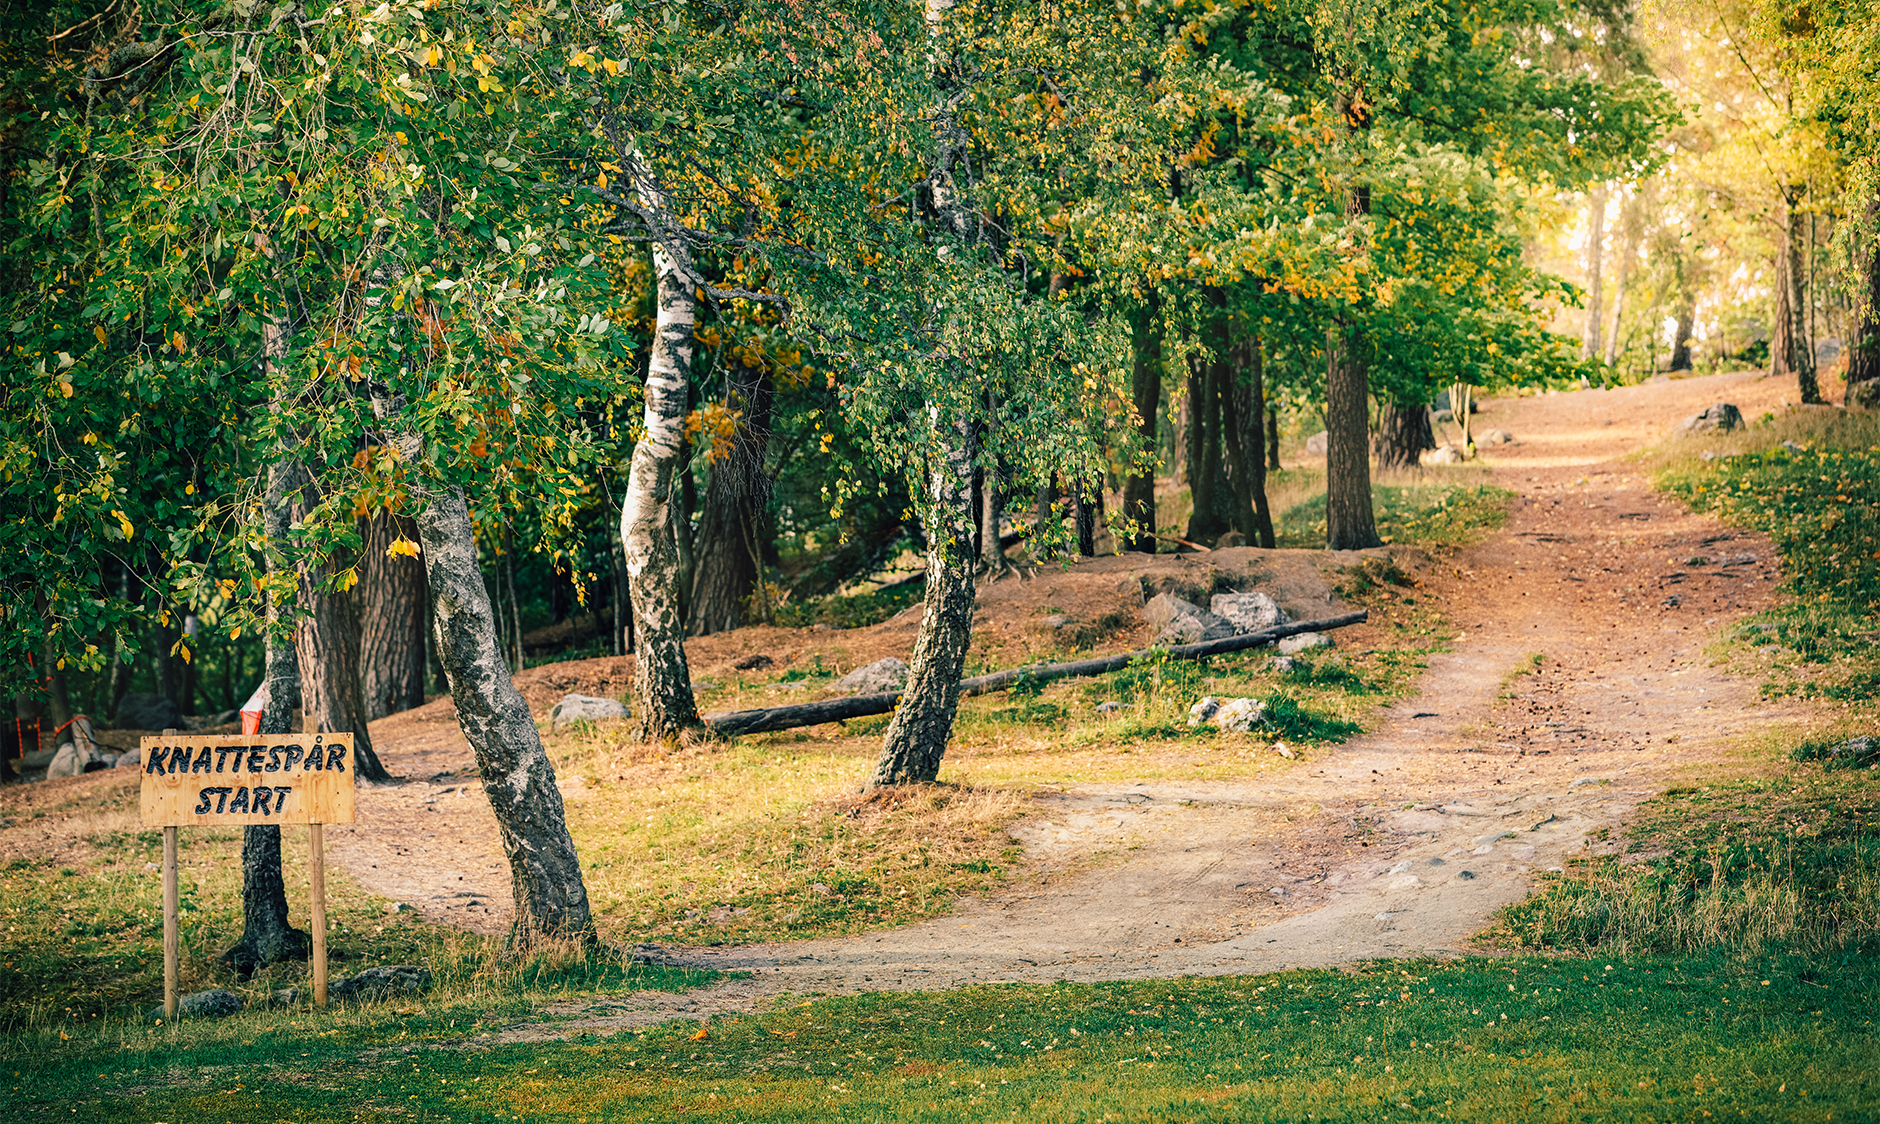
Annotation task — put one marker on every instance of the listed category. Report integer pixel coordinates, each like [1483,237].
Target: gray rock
[1248,612]
[1240,715]
[1793,447]
[147,712]
[1236,715]
[1864,395]
[1180,622]
[129,759]
[215,1003]
[1285,665]
[1494,437]
[65,763]
[1443,454]
[877,678]
[1054,621]
[1229,540]
[1107,707]
[381,982]
[1317,444]
[578,708]
[1720,418]
[1304,641]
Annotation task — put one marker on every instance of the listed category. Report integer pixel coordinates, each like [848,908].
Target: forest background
[371,351]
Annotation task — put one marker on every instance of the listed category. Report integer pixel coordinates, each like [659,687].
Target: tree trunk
[1681,347]
[622,595]
[326,642]
[1146,386]
[550,896]
[1595,268]
[1086,516]
[267,935]
[1208,487]
[391,626]
[1272,439]
[662,683]
[730,562]
[1863,360]
[1628,251]
[1349,521]
[1794,326]
[991,552]
[1406,433]
[1249,393]
[917,737]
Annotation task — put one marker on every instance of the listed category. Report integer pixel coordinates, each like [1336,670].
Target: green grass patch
[1788,862]
[1424,514]
[855,610]
[1525,1038]
[81,943]
[1820,504]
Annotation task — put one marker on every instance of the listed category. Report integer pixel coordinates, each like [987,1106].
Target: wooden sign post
[242,780]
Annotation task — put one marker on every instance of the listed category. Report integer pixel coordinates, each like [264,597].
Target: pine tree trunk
[1405,434]
[1349,521]
[917,736]
[326,643]
[1595,268]
[391,627]
[1146,387]
[1248,392]
[550,895]
[662,682]
[729,559]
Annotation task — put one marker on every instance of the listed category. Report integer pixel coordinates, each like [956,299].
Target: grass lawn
[1515,1039]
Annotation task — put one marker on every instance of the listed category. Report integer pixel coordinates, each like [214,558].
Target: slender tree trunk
[1250,396]
[917,737]
[1086,515]
[991,553]
[1795,289]
[391,627]
[267,935]
[1681,347]
[1628,253]
[662,683]
[1405,433]
[550,895]
[1272,439]
[730,562]
[1863,361]
[1146,387]
[1595,268]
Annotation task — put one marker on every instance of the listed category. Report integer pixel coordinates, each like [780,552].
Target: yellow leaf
[346,580]
[189,489]
[182,650]
[702,1035]
[124,524]
[98,330]
[402,547]
[613,67]
[65,388]
[176,341]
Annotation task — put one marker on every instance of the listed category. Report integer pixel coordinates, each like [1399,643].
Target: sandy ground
[1399,843]
[1403,842]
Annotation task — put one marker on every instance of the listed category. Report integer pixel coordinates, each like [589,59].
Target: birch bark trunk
[1795,288]
[662,681]
[550,894]
[923,722]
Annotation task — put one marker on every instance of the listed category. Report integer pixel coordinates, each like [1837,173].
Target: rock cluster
[1720,418]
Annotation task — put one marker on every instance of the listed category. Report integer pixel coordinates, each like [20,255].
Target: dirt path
[1399,843]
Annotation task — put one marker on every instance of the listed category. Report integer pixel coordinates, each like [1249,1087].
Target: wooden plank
[316,839]
[172,935]
[766,719]
[237,780]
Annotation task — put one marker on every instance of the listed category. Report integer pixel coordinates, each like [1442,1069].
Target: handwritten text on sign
[235,780]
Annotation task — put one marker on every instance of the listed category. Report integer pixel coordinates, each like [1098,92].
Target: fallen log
[766,719]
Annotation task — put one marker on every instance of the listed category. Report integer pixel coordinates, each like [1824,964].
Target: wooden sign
[235,780]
